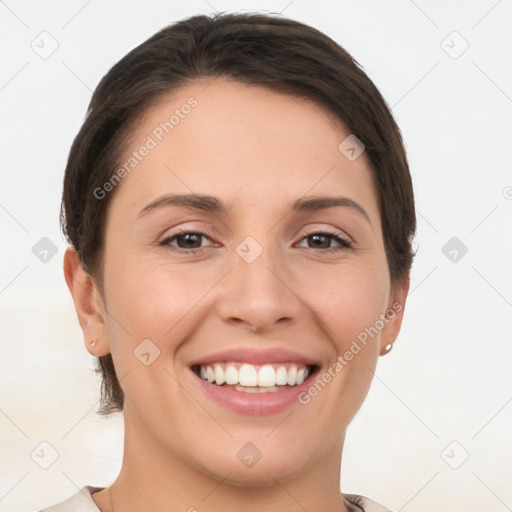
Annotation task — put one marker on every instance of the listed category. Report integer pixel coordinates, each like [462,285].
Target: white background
[448,377]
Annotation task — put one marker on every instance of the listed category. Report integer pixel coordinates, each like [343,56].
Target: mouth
[255,378]
[253,381]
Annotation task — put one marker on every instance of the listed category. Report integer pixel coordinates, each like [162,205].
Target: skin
[258,151]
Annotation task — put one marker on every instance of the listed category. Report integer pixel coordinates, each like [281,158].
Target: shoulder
[81,501]
[363,504]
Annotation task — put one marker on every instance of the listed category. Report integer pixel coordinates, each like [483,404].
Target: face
[253,281]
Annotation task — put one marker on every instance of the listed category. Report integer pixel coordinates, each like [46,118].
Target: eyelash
[345,244]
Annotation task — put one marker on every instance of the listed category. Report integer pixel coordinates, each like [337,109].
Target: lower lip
[255,404]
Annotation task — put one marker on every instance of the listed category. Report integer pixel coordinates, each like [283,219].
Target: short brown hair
[268,50]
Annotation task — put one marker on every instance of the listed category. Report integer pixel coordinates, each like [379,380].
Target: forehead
[244,143]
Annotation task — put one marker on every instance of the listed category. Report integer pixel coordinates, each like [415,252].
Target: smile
[250,389]
[251,378]
[254,382]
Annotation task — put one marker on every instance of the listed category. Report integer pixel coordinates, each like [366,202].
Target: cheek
[160,300]
[151,310]
[154,300]
[347,299]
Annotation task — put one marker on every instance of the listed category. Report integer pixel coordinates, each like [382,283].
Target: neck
[152,478]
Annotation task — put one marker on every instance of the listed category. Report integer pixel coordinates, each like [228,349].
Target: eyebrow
[212,204]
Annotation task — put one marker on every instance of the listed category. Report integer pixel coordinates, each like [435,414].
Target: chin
[262,474]
[254,464]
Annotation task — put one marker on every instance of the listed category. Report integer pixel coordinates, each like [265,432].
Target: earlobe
[394,315]
[88,304]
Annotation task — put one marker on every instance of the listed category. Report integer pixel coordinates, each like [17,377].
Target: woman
[240,216]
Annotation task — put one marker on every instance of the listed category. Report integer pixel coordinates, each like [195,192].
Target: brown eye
[185,240]
[322,242]
[189,240]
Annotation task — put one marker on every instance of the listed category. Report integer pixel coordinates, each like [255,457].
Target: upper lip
[256,356]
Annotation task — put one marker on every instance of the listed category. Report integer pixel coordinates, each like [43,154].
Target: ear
[394,314]
[88,304]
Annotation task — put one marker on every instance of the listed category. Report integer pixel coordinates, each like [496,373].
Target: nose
[259,295]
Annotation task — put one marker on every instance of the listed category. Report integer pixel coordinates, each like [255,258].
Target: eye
[190,241]
[322,241]
[185,240]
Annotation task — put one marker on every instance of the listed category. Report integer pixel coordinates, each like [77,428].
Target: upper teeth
[245,374]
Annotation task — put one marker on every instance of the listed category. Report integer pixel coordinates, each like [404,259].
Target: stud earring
[93,342]
[388,348]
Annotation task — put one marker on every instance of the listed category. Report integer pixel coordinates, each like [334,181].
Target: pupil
[316,237]
[189,238]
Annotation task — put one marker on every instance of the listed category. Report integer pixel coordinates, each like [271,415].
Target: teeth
[220,377]
[252,378]
[281,376]
[231,375]
[266,376]
[292,376]
[256,389]
[248,376]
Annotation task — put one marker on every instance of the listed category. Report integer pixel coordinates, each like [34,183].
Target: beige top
[82,502]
